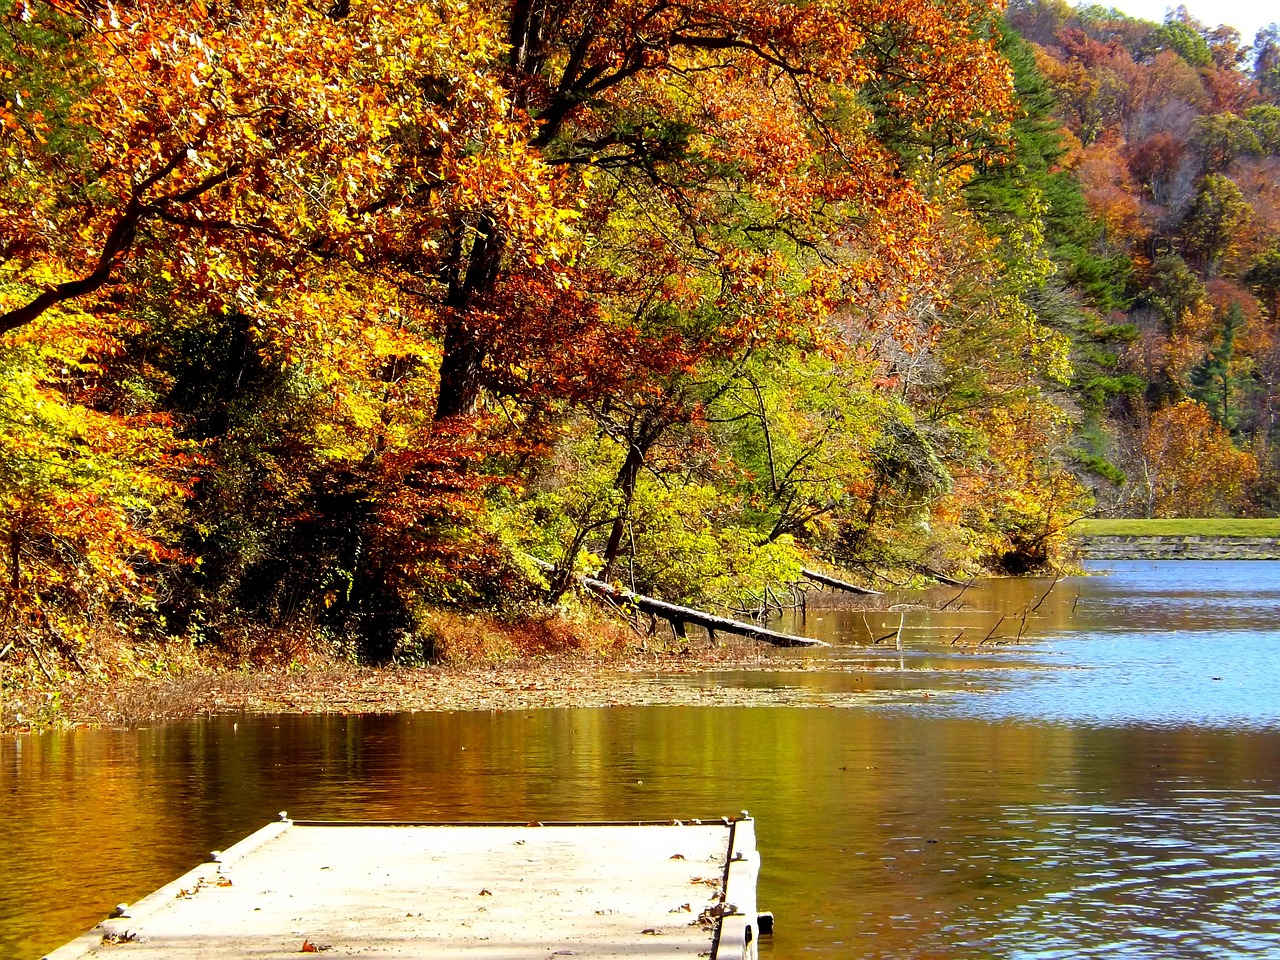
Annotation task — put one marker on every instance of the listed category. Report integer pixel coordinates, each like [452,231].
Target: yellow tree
[235,149]
[248,162]
[89,500]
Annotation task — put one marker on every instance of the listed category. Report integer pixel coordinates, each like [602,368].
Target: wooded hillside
[318,321]
[1172,133]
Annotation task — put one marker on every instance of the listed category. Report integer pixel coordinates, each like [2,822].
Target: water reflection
[1183,875]
[885,836]
[1085,791]
[1186,596]
[1152,644]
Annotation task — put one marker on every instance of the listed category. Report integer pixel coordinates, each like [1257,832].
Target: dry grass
[571,657]
[256,669]
[100,654]
[459,638]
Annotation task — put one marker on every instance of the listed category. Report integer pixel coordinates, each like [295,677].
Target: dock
[432,891]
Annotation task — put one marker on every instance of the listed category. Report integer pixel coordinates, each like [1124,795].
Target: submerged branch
[679,617]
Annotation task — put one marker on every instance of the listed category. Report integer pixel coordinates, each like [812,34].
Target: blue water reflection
[1214,679]
[1191,875]
[1170,644]
[1133,643]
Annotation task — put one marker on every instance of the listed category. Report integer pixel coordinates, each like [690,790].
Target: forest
[328,329]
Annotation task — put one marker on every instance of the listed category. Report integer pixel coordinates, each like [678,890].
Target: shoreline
[335,688]
[618,673]
[554,683]
[1175,547]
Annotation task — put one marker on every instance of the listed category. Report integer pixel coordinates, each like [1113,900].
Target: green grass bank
[1179,527]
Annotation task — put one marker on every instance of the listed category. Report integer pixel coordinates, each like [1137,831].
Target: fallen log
[942,577]
[680,616]
[829,581]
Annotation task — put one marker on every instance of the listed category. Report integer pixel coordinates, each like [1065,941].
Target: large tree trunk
[459,372]
[464,348]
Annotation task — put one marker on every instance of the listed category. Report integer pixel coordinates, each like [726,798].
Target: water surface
[1074,783]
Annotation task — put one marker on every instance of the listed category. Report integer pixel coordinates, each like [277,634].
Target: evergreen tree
[1212,380]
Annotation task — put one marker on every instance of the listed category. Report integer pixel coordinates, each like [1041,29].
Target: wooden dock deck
[434,891]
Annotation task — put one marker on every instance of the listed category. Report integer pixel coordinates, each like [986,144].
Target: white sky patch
[1247,16]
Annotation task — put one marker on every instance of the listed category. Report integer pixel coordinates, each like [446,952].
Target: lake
[1097,776]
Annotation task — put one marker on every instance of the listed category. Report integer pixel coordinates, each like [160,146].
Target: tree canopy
[327,318]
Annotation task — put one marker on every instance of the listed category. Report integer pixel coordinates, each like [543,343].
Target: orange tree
[423,211]
[750,185]
[729,161]
[168,168]
[411,140]
[1190,467]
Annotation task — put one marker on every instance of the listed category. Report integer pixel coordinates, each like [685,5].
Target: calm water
[1098,778]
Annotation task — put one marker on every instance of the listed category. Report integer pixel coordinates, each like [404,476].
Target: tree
[1182,37]
[1214,378]
[672,293]
[1228,50]
[1263,277]
[239,144]
[1224,137]
[225,146]
[1264,121]
[1193,470]
[1215,223]
[89,498]
[654,105]
[1266,60]
[1038,21]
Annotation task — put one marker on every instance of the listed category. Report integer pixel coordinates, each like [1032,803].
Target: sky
[1247,16]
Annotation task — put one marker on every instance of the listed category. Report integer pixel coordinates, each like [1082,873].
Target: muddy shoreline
[612,674]
[555,683]
[344,689]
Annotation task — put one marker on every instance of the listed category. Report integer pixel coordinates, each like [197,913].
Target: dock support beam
[739,921]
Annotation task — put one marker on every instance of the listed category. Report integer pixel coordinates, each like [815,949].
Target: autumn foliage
[1191,465]
[1171,140]
[332,319]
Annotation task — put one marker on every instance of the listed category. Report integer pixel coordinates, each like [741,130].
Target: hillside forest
[322,326]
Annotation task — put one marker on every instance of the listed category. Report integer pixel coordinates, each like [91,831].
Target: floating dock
[474,891]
